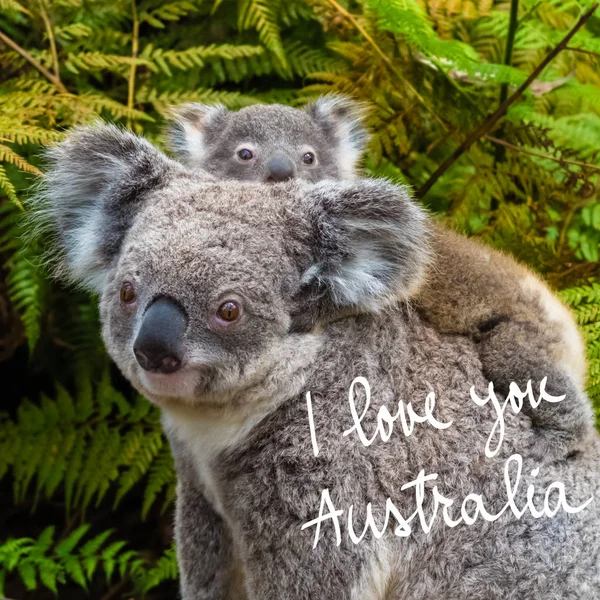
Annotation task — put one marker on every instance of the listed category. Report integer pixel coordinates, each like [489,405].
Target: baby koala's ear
[95,183]
[186,131]
[342,121]
[370,245]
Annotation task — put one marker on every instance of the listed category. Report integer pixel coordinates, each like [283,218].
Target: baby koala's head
[270,142]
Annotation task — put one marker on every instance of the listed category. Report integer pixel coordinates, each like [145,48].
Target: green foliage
[165,569]
[585,303]
[84,444]
[83,448]
[50,563]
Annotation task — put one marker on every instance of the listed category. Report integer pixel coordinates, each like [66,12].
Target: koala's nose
[159,343]
[280,168]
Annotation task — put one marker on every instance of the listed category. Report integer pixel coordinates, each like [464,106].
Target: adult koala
[523,330]
[224,303]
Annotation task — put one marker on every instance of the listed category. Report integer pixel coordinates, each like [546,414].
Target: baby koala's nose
[279,168]
[159,343]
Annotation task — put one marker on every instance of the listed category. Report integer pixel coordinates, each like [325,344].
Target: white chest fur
[208,433]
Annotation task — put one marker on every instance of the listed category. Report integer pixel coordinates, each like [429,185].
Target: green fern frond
[87,106]
[98,61]
[164,101]
[262,16]
[66,441]
[165,569]
[161,477]
[8,188]
[585,294]
[10,156]
[197,56]
[14,130]
[305,60]
[585,302]
[73,31]
[8,6]
[27,291]
[172,11]
[52,563]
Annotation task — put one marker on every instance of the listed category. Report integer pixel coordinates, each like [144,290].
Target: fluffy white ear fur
[186,132]
[373,246]
[343,118]
[94,185]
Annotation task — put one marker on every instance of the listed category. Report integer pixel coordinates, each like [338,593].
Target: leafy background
[86,475]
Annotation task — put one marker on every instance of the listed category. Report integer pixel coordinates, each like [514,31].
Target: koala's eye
[308,158]
[245,154]
[127,293]
[229,311]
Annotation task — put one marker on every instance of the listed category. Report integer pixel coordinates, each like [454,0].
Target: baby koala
[523,331]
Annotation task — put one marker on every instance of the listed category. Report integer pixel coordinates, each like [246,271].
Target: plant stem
[484,127]
[386,60]
[134,54]
[34,63]
[510,41]
[51,40]
[588,52]
[115,589]
[562,238]
[557,159]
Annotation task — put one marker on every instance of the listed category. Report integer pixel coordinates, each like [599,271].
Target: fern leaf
[8,188]
[259,15]
[161,475]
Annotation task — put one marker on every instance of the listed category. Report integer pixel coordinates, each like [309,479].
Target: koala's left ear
[95,183]
[370,245]
[188,127]
[342,121]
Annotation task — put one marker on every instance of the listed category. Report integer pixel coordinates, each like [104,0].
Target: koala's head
[272,143]
[208,287]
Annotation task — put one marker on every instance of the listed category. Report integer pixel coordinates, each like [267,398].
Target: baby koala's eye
[229,311]
[245,154]
[127,294]
[308,158]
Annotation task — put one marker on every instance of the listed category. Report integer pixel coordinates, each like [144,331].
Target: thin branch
[508,50]
[115,589]
[574,207]
[590,270]
[557,159]
[134,54]
[562,238]
[34,63]
[510,40]
[387,61]
[51,40]
[588,52]
[484,127]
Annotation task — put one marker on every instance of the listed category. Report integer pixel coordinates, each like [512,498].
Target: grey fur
[209,137]
[109,173]
[522,330]
[236,414]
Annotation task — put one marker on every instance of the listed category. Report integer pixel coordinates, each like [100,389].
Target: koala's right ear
[342,120]
[95,183]
[369,247]
[186,133]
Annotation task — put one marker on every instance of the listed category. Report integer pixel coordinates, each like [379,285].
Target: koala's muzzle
[280,168]
[159,343]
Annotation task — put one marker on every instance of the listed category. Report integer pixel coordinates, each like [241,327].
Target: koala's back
[272,483]
[471,288]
